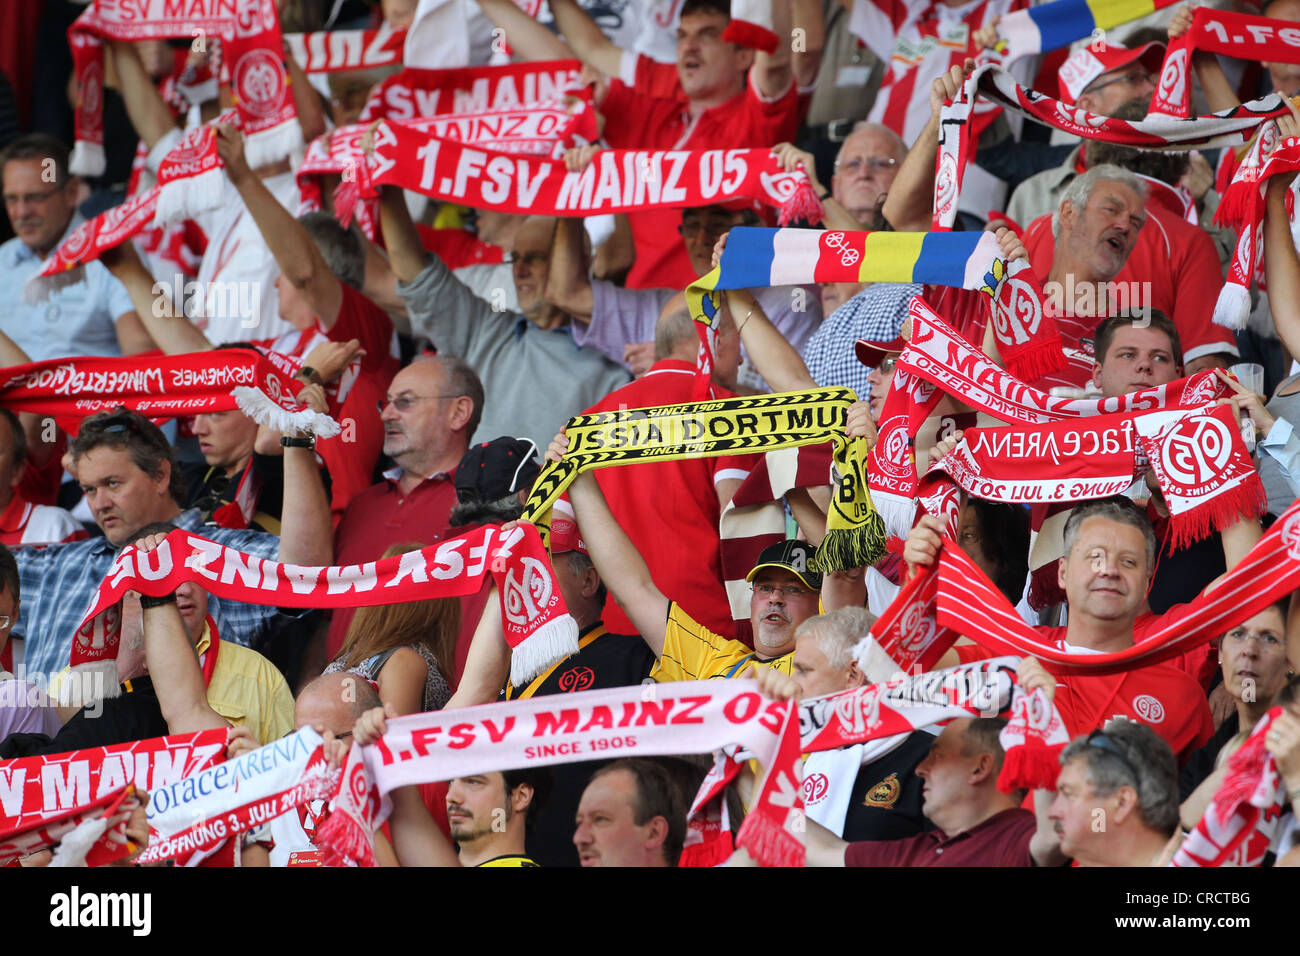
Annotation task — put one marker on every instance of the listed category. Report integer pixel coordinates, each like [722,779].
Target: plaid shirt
[57,583]
[876,314]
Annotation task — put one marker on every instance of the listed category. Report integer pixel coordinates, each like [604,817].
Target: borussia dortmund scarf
[1204,470]
[758,423]
[535,621]
[1241,822]
[756,258]
[161,387]
[618,180]
[1051,26]
[1232,127]
[250,31]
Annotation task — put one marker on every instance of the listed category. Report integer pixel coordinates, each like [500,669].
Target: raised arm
[527,38]
[1218,91]
[621,566]
[910,200]
[406,255]
[295,252]
[585,38]
[772,72]
[568,286]
[162,320]
[806,16]
[487,662]
[774,358]
[149,114]
[306,529]
[306,101]
[1281,263]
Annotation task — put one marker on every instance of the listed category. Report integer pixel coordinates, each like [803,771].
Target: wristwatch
[311,375]
[147,602]
[298,441]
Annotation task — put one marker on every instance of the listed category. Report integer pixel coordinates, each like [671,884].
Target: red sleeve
[359,318]
[970,653]
[771,121]
[1040,244]
[40,486]
[1198,279]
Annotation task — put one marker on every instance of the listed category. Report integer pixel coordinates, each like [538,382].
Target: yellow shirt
[248,690]
[508,861]
[693,652]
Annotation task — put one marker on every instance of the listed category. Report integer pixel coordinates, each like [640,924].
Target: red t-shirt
[1001,840]
[381,516]
[635,118]
[670,508]
[1173,265]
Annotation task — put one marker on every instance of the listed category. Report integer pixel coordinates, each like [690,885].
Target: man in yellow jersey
[489,814]
[785,593]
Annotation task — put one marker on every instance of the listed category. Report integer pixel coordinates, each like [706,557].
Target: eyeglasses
[1099,740]
[886,365]
[714,229]
[875,164]
[403,403]
[1133,78]
[772,590]
[31,199]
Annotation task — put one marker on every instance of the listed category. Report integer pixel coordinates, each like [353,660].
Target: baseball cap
[790,555]
[1092,61]
[870,353]
[565,536]
[493,469]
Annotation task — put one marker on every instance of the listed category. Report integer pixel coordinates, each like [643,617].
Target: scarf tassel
[845,548]
[41,288]
[1232,308]
[1031,766]
[87,159]
[342,841]
[1246,500]
[710,852]
[802,204]
[189,197]
[1038,359]
[274,144]
[770,843]
[549,644]
[257,405]
[1245,770]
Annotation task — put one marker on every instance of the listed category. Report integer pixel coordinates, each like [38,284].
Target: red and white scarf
[337,51]
[161,387]
[418,93]
[1241,822]
[535,620]
[81,835]
[41,795]
[1242,208]
[250,32]
[1205,473]
[751,25]
[990,81]
[969,604]
[618,180]
[190,182]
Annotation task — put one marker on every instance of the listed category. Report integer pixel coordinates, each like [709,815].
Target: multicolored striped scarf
[1051,26]
[754,258]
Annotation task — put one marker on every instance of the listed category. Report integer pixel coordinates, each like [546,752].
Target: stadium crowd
[454,344]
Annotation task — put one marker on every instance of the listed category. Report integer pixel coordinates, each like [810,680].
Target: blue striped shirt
[58,582]
[876,314]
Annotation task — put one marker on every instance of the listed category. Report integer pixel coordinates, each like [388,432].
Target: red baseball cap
[870,353]
[565,536]
[1092,61]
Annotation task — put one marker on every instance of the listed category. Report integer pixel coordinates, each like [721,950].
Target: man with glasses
[1100,82]
[91,317]
[620,322]
[431,412]
[786,592]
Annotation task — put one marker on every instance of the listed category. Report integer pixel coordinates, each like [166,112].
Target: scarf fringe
[751,35]
[769,843]
[257,405]
[1030,766]
[845,548]
[709,852]
[874,661]
[342,841]
[74,846]
[1245,768]
[87,159]
[549,644]
[80,676]
[802,204]
[39,288]
[1247,500]
[274,144]
[189,197]
[1037,359]
[1232,309]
